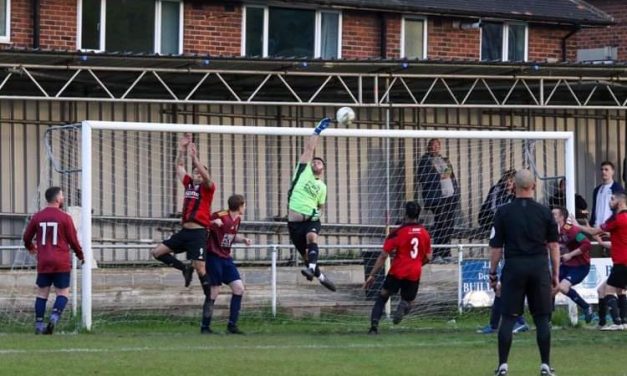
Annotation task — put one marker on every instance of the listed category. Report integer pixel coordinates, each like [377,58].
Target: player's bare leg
[164,254]
[565,287]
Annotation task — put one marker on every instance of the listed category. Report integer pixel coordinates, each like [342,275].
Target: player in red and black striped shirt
[192,239]
[55,234]
[412,244]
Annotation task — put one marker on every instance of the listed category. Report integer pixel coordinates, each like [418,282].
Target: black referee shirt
[523,228]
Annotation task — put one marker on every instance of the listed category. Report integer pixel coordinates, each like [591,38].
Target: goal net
[121,179]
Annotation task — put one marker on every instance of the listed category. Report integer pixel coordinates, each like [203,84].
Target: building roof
[571,12]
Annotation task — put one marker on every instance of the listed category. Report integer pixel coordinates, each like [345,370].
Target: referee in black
[521,233]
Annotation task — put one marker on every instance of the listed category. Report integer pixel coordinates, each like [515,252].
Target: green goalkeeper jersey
[307,193]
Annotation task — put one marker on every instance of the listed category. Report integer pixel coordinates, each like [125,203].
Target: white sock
[502,366]
[321,278]
[545,366]
[312,266]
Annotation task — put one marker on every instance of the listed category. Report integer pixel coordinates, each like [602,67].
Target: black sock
[602,311]
[575,297]
[172,261]
[495,313]
[207,312]
[612,305]
[236,304]
[205,284]
[377,310]
[505,337]
[543,337]
[622,308]
[312,253]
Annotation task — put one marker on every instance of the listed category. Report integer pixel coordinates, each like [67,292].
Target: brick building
[433,30]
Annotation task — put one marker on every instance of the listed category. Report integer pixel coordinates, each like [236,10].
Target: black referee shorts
[618,276]
[526,277]
[298,233]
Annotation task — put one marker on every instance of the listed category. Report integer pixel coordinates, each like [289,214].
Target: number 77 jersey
[412,244]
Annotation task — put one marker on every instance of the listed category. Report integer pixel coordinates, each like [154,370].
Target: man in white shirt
[602,194]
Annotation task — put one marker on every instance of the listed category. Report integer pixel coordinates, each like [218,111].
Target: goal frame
[87,126]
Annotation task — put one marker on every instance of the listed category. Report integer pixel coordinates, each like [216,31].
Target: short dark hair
[52,193]
[412,210]
[620,194]
[563,211]
[320,159]
[235,202]
[608,163]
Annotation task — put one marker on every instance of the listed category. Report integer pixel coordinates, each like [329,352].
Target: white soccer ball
[345,116]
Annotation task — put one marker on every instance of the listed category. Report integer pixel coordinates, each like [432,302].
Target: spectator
[558,200]
[603,193]
[440,194]
[499,194]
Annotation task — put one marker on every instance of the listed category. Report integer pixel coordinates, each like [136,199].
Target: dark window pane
[291,32]
[170,13]
[414,39]
[90,25]
[254,31]
[491,41]
[516,43]
[329,35]
[130,25]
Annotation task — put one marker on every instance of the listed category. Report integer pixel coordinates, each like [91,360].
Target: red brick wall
[212,29]
[546,42]
[612,36]
[445,42]
[57,24]
[360,35]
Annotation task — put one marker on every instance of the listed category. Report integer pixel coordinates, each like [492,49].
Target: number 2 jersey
[412,244]
[221,237]
[55,233]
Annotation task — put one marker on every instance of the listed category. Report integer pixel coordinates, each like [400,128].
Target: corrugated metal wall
[600,135]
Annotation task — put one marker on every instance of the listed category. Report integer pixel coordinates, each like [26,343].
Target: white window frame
[505,42]
[103,26]
[7,38]
[425,36]
[317,30]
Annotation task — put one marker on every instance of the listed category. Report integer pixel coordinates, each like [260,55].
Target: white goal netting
[137,200]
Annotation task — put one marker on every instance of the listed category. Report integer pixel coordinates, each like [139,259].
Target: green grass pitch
[307,347]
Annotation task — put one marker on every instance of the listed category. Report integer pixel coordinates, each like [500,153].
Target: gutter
[564,39]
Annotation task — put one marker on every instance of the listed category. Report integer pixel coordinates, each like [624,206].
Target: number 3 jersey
[55,235]
[221,237]
[412,244]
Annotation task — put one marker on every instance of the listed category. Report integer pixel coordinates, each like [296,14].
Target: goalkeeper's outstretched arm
[312,142]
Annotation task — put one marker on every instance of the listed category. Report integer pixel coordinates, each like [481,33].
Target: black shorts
[298,233]
[192,241]
[526,277]
[618,276]
[409,289]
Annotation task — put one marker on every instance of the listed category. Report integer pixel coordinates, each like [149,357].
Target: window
[5,21]
[414,38]
[503,41]
[269,31]
[131,26]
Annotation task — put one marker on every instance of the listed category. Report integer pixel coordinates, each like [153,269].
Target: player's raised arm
[180,157]
[202,170]
[312,142]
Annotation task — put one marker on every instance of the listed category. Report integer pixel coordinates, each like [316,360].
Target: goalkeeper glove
[322,125]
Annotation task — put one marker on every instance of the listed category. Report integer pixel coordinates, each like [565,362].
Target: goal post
[88,127]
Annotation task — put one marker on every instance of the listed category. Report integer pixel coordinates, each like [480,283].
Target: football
[345,116]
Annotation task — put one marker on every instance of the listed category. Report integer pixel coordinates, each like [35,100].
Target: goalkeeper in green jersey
[306,197]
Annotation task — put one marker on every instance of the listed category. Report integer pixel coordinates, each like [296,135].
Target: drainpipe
[570,34]
[36,23]
[383,35]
